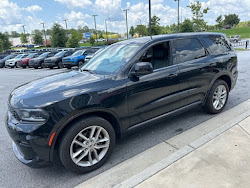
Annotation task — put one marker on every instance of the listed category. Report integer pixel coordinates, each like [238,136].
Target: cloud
[10,13]
[33,8]
[75,3]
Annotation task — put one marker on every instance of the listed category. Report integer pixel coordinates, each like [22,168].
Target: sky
[31,13]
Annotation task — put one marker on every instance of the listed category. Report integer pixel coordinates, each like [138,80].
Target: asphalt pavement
[15,174]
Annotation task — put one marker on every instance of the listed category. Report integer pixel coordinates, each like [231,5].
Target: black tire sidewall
[64,148]
[209,103]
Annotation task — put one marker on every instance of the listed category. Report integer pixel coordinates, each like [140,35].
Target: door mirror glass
[142,68]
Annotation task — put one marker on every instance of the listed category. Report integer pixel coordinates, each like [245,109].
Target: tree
[24,38]
[38,39]
[219,20]
[74,38]
[231,19]
[1,45]
[15,34]
[5,43]
[174,28]
[142,30]
[132,31]
[198,13]
[186,26]
[92,40]
[58,36]
[155,25]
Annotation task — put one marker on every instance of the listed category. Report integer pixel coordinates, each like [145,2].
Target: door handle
[172,76]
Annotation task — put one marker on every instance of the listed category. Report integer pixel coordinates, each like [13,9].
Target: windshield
[31,55]
[8,57]
[18,56]
[44,55]
[60,54]
[112,59]
[77,53]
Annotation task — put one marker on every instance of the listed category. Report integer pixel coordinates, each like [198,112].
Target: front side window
[112,59]
[158,55]
[188,50]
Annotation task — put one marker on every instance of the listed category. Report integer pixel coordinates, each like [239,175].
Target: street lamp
[23,29]
[150,30]
[66,26]
[95,26]
[44,34]
[126,10]
[107,28]
[140,26]
[178,15]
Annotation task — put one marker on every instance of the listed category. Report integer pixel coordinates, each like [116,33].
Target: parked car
[2,61]
[24,62]
[13,62]
[79,114]
[39,61]
[56,60]
[235,38]
[88,57]
[76,59]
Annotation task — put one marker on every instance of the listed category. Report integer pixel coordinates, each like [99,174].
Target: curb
[150,171]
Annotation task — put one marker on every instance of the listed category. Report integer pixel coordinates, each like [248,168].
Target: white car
[13,62]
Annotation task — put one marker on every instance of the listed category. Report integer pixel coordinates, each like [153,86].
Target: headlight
[32,115]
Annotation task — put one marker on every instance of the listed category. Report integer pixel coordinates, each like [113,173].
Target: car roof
[146,39]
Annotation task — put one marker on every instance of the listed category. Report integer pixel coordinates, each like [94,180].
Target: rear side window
[218,45]
[188,50]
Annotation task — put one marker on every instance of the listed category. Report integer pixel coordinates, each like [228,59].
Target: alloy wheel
[219,97]
[89,146]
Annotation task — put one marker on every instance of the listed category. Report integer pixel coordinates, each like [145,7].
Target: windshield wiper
[87,70]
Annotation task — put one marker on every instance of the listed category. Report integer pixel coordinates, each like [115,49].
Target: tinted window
[187,50]
[218,45]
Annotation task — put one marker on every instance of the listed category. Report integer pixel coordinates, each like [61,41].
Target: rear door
[196,69]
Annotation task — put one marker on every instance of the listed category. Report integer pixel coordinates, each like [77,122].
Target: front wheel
[87,144]
[217,97]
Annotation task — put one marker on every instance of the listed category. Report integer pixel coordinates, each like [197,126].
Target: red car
[24,62]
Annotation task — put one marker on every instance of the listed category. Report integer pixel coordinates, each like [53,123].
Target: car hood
[71,57]
[38,58]
[51,58]
[52,89]
[10,60]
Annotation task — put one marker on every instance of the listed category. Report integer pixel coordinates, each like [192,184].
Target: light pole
[178,15]
[126,10]
[140,25]
[66,26]
[107,28]
[44,34]
[95,26]
[23,29]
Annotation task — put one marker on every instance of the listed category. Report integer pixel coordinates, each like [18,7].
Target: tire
[36,67]
[80,64]
[68,148]
[69,67]
[210,105]
[60,65]
[43,66]
[51,67]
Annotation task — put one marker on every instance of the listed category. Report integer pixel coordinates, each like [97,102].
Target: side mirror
[141,68]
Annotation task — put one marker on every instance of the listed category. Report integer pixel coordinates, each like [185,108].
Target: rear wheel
[217,97]
[87,144]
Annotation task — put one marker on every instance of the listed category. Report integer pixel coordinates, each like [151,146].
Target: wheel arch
[107,115]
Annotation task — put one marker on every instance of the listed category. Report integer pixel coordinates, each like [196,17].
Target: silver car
[235,38]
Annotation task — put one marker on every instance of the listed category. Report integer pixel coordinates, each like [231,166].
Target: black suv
[39,61]
[79,114]
[56,60]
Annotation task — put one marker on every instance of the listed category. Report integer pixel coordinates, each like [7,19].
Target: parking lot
[132,144]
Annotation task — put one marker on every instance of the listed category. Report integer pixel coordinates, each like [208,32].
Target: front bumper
[34,64]
[28,146]
[10,64]
[50,64]
[2,65]
[69,63]
[19,64]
